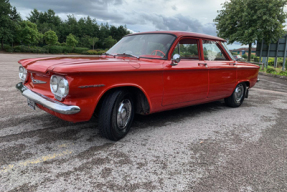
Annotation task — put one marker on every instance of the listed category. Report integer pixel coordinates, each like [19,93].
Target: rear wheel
[237,97]
[116,115]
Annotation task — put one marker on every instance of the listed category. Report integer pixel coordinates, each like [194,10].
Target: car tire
[116,115]
[237,97]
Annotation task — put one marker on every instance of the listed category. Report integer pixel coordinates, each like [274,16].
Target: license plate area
[31,104]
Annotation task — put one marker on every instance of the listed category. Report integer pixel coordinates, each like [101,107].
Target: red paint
[165,86]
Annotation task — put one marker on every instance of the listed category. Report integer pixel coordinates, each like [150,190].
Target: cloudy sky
[137,15]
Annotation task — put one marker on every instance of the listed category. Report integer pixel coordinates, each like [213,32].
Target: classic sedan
[143,73]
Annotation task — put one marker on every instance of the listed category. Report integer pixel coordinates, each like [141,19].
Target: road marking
[269,91]
[34,161]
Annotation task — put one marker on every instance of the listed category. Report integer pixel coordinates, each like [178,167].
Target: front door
[187,81]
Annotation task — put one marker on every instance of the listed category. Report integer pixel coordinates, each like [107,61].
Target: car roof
[182,34]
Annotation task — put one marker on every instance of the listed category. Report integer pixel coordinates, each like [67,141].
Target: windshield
[144,45]
[227,50]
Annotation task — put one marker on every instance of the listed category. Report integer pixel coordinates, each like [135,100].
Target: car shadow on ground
[50,128]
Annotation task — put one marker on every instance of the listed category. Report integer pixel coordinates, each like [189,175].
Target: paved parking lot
[207,147]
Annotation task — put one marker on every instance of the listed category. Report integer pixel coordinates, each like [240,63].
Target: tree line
[46,28]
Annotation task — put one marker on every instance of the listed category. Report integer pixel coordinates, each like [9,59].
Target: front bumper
[47,102]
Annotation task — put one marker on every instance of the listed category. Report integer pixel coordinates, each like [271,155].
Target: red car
[143,73]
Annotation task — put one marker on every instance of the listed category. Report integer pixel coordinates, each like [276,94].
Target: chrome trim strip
[35,81]
[47,102]
[89,86]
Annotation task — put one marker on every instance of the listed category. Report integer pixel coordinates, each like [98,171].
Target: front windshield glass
[144,45]
[227,50]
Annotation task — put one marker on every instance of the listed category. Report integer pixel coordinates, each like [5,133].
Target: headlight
[22,73]
[59,87]
[54,84]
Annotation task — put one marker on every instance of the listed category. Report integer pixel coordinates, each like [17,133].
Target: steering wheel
[155,51]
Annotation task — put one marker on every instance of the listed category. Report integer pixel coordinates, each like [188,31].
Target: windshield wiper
[129,55]
[108,54]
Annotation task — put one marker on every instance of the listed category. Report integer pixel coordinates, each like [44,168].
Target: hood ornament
[35,81]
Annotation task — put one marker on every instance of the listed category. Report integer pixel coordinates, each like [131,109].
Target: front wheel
[116,115]
[237,97]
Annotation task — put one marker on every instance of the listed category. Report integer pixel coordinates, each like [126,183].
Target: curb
[272,75]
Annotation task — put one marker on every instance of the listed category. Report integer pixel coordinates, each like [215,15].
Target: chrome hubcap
[124,113]
[239,91]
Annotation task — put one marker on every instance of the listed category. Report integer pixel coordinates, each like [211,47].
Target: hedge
[80,50]
[94,52]
[27,49]
[7,48]
[65,49]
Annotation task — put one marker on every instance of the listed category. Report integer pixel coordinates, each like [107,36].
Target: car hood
[78,64]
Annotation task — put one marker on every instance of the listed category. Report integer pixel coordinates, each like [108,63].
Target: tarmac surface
[207,147]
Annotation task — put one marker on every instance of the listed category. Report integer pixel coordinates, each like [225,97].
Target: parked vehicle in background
[237,57]
[143,73]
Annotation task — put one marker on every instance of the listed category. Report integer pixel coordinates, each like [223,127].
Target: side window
[211,51]
[187,49]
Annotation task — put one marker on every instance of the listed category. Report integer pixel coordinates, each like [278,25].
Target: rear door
[187,81]
[222,70]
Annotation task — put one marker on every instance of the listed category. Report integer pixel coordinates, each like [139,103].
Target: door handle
[232,63]
[202,64]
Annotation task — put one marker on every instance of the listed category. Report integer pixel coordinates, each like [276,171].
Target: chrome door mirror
[175,60]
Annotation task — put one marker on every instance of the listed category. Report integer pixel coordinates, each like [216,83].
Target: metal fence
[277,49]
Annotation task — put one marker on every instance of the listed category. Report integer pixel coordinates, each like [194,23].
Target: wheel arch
[246,81]
[142,101]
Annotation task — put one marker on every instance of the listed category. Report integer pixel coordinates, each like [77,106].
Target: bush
[71,40]
[271,70]
[256,59]
[54,49]
[51,37]
[8,48]
[94,52]
[64,44]
[283,73]
[80,50]
[245,56]
[26,49]
[17,49]
[67,49]
[38,50]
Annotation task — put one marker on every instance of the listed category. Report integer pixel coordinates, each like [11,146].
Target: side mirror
[175,60]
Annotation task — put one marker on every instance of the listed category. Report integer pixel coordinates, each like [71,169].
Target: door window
[187,49]
[212,51]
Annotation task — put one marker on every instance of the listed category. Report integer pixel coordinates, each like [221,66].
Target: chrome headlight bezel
[59,87]
[23,74]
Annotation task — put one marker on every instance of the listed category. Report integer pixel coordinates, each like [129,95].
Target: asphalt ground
[207,147]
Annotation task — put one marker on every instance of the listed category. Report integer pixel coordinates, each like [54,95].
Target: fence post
[276,55]
[268,55]
[261,49]
[284,60]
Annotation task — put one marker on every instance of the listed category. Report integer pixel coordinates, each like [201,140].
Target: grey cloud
[114,12]
[180,23]
[94,8]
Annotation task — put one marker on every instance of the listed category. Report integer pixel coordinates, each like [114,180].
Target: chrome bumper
[47,102]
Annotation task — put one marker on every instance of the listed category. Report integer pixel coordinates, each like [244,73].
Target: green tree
[9,19]
[28,33]
[45,20]
[247,21]
[71,40]
[51,37]
[109,42]
[93,41]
